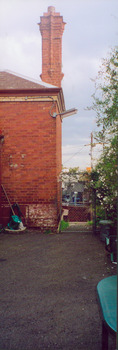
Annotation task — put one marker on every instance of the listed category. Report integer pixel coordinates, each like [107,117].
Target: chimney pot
[51,9]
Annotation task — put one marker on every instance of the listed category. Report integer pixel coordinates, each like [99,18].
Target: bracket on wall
[65,113]
[52,105]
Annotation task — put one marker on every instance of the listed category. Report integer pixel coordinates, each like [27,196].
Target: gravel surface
[48,290]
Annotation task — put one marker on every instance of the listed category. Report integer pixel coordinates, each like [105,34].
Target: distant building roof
[10,80]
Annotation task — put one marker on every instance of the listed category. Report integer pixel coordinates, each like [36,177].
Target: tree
[106,98]
[106,106]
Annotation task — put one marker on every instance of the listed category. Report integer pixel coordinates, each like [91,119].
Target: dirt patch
[48,290]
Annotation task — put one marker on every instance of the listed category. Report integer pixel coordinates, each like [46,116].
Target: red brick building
[31,152]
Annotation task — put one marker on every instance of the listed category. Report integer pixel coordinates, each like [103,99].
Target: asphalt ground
[48,296]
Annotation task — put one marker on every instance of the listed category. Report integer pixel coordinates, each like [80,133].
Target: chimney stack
[51,27]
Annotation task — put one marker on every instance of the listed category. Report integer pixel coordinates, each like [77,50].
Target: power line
[73,155]
[91,153]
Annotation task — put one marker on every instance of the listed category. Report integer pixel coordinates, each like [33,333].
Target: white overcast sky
[90,33]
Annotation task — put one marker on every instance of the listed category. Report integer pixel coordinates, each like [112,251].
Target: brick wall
[0,183]
[59,162]
[31,161]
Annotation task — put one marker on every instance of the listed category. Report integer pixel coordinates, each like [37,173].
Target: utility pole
[93,144]
[91,152]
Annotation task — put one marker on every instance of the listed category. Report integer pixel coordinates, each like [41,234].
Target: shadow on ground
[48,290]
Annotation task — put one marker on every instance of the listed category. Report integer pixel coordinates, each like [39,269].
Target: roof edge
[36,81]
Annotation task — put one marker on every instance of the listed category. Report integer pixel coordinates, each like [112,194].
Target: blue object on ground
[107,294]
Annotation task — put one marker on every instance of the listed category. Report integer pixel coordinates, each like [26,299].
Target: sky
[91,32]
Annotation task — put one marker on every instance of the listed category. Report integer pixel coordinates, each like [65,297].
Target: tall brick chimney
[51,27]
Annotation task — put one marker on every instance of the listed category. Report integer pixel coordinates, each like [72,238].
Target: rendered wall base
[43,216]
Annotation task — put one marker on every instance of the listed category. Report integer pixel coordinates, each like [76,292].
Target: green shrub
[63,225]
[90,223]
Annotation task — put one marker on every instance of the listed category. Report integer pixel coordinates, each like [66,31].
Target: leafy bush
[90,223]
[63,225]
